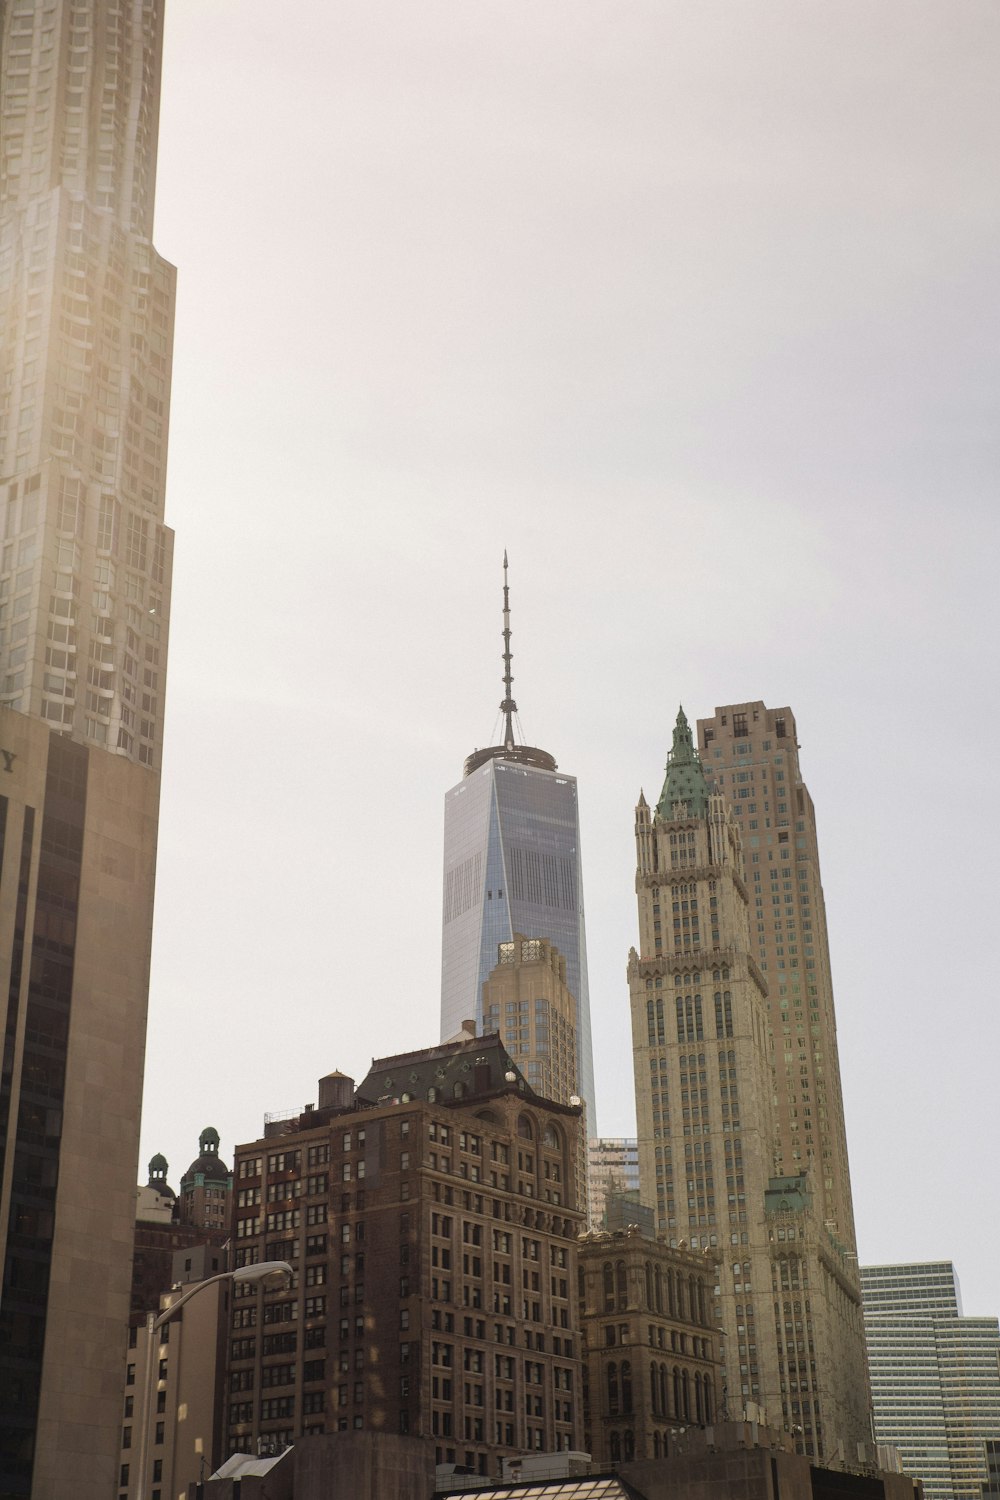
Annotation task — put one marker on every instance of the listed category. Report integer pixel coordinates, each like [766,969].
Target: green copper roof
[787,1194]
[685,780]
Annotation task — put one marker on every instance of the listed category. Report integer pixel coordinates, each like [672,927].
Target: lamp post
[266,1271]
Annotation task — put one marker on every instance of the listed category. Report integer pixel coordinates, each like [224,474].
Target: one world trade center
[512,865]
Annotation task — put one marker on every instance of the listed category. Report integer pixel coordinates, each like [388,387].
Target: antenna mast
[508,707]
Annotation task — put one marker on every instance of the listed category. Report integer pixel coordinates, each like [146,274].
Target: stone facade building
[431,1218]
[526,999]
[206,1187]
[650,1344]
[750,755]
[711,1141]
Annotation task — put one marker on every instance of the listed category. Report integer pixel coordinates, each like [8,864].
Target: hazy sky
[691,307]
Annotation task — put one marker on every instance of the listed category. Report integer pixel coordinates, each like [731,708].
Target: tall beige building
[713,1162]
[86,322]
[526,999]
[751,756]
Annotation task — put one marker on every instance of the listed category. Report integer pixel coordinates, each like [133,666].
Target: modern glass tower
[86,332]
[512,864]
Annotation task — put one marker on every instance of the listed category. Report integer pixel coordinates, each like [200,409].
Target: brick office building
[432,1221]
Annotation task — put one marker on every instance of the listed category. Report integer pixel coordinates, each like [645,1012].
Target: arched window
[699,1410]
[609,1287]
[626,1386]
[709,1394]
[685,1396]
[524,1128]
[656,1445]
[654,1391]
[664,1393]
[620,1286]
[678,1399]
[611,1377]
[649,1287]
[552,1138]
[432,1096]
[658,1278]
[671,1301]
[629,1445]
[616,1448]
[459,1090]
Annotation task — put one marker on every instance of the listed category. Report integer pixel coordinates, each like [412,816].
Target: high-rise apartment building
[935,1376]
[710,1143]
[512,864]
[86,321]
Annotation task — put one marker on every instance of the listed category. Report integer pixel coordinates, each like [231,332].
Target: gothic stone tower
[786,1297]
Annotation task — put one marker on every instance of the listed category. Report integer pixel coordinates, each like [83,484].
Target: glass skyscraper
[512,864]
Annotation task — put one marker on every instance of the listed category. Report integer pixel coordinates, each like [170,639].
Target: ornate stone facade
[650,1345]
[711,1141]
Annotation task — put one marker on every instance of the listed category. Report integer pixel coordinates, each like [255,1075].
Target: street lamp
[265,1271]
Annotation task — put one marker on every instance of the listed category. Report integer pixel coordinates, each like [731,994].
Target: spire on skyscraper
[685,779]
[508,707]
[527,755]
[512,864]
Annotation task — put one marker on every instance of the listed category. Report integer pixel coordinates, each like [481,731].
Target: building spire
[685,780]
[525,755]
[508,707]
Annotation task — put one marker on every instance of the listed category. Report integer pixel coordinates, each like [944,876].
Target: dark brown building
[649,1344]
[431,1219]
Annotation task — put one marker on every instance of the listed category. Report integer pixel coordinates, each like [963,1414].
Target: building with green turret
[714,1162]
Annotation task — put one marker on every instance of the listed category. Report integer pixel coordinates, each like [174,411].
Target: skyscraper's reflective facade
[512,864]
